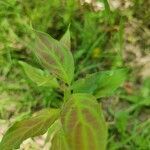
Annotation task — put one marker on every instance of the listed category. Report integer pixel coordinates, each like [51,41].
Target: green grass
[97,44]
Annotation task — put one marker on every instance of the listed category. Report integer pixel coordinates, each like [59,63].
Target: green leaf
[55,56]
[83,123]
[38,76]
[59,141]
[27,128]
[65,40]
[54,128]
[101,84]
[121,118]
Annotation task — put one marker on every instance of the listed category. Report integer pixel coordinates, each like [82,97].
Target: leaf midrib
[56,59]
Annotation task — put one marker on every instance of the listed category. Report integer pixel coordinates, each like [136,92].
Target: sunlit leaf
[59,141]
[53,129]
[27,128]
[38,76]
[55,56]
[65,40]
[100,84]
[83,123]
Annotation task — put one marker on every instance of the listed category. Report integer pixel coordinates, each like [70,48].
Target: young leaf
[27,128]
[38,76]
[65,40]
[100,84]
[82,120]
[55,56]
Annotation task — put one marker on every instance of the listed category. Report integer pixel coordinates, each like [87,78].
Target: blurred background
[105,35]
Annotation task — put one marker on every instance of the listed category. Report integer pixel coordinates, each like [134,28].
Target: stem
[67,94]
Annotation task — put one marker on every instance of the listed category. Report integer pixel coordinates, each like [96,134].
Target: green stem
[67,94]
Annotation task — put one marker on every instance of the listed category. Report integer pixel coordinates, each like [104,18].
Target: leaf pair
[55,55]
